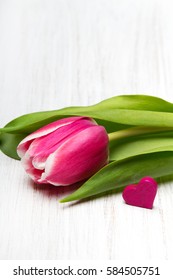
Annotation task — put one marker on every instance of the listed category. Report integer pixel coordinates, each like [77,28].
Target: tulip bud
[64,152]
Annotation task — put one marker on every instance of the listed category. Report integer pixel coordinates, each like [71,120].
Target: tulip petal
[78,158]
[34,174]
[25,143]
[42,147]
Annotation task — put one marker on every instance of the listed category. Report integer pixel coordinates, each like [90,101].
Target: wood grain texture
[57,53]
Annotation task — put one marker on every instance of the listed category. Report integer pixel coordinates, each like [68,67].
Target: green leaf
[125,109]
[9,142]
[141,144]
[31,122]
[118,174]
[136,102]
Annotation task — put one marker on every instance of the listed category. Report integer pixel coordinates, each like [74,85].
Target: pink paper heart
[141,194]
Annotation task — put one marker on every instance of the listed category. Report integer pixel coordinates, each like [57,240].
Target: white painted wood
[57,53]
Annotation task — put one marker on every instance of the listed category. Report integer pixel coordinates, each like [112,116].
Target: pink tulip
[65,151]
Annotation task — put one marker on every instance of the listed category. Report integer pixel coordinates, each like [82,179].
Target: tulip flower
[69,150]
[65,151]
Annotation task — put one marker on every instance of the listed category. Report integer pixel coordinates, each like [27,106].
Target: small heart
[141,194]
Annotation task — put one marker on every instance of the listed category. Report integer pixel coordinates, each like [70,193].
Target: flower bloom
[65,151]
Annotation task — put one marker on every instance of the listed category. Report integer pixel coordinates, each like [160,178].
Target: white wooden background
[57,53]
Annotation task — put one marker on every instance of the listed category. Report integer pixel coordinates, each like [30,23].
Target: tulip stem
[138,130]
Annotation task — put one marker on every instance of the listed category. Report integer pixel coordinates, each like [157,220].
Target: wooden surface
[57,53]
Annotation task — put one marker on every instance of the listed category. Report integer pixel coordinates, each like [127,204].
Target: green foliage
[120,173]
